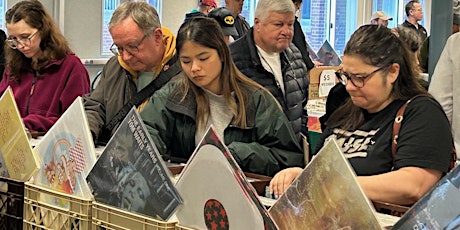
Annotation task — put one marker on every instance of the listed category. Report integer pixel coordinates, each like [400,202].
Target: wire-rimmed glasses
[130,49]
[13,42]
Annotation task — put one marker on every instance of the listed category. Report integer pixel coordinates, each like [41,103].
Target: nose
[20,46]
[195,66]
[286,29]
[350,86]
[125,55]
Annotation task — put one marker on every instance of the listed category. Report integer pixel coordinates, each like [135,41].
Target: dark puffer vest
[295,76]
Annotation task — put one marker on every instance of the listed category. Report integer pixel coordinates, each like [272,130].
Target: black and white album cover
[131,175]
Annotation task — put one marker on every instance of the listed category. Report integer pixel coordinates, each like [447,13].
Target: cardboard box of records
[322,79]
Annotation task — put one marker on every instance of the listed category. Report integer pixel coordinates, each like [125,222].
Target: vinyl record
[325,195]
[209,178]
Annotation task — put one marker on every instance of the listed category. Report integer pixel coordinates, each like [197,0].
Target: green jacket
[266,146]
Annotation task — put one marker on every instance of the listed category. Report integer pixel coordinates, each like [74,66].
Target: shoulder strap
[397,125]
[146,92]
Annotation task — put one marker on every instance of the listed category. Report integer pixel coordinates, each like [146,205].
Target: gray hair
[264,7]
[143,14]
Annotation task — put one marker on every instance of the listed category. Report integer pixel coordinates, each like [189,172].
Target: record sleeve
[328,56]
[326,195]
[131,175]
[67,154]
[216,193]
[17,160]
[437,209]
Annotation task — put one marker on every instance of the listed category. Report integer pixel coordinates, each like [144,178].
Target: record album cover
[328,56]
[326,195]
[17,160]
[216,193]
[437,209]
[67,154]
[131,175]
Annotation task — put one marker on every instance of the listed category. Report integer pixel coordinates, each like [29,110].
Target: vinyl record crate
[11,203]
[109,217]
[39,213]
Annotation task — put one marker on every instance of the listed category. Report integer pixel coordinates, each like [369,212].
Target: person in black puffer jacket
[267,56]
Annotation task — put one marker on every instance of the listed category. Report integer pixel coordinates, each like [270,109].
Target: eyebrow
[200,54]
[360,74]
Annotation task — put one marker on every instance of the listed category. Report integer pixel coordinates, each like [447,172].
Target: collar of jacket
[27,66]
[188,107]
[249,36]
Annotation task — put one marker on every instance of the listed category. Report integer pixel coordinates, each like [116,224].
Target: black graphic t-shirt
[424,139]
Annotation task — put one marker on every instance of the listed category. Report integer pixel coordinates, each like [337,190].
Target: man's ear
[158,35]
[256,23]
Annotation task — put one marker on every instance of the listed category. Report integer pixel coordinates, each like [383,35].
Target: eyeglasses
[13,42]
[130,49]
[418,9]
[356,79]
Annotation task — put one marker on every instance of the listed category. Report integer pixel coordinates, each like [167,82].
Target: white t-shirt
[220,118]
[272,63]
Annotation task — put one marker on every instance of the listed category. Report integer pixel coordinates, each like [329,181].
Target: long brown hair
[53,44]
[207,32]
[377,46]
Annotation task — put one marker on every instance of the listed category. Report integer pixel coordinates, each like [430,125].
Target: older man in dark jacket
[266,55]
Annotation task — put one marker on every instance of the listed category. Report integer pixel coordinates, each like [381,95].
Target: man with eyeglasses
[145,59]
[414,13]
[267,55]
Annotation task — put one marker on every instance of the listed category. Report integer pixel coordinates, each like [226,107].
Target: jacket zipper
[32,89]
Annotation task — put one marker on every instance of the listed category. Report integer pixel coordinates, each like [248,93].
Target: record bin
[109,217]
[39,214]
[11,203]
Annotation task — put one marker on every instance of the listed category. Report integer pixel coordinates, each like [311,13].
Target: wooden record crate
[39,214]
[108,217]
[11,203]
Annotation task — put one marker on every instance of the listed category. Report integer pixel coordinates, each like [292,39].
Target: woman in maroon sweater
[42,71]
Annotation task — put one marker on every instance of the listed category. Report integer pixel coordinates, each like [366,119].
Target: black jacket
[295,76]
[300,42]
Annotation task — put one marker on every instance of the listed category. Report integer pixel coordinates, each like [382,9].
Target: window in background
[332,20]
[157,5]
[108,7]
[3,9]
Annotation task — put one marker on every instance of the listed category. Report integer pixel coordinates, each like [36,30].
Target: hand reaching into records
[283,179]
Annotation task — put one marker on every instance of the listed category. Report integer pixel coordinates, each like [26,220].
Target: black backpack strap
[146,92]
